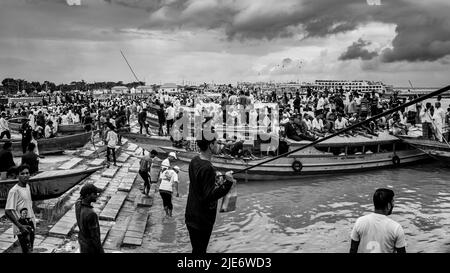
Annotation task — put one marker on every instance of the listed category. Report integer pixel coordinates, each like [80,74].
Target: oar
[393,110]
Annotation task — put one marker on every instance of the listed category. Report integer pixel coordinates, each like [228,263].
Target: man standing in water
[19,197]
[201,207]
[377,233]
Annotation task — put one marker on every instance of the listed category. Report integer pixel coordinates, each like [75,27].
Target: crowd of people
[302,117]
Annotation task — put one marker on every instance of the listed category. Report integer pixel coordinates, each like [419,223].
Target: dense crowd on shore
[303,116]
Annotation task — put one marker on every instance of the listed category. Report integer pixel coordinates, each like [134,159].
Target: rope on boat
[391,111]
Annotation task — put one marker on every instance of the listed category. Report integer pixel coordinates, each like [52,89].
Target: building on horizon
[169,88]
[120,90]
[360,85]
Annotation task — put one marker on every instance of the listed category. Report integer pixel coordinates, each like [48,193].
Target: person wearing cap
[169,180]
[166,162]
[4,127]
[87,220]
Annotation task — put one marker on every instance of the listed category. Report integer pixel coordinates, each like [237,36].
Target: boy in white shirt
[169,179]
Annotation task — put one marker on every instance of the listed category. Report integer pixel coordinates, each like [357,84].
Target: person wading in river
[201,207]
[377,233]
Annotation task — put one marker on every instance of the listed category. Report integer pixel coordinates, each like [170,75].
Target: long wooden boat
[53,145]
[48,184]
[432,147]
[335,155]
[16,123]
[146,142]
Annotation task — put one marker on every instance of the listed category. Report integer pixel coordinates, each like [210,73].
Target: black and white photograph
[224,127]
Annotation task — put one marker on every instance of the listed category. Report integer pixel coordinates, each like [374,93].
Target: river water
[317,214]
[310,215]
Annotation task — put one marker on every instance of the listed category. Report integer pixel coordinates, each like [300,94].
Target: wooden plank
[123,158]
[131,147]
[96,162]
[127,182]
[7,240]
[70,164]
[136,228]
[113,206]
[110,172]
[144,201]
[87,153]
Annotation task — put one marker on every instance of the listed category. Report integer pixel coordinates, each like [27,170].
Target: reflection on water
[317,214]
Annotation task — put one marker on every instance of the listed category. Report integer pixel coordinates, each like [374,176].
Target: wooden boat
[432,147]
[48,184]
[53,145]
[16,123]
[70,128]
[335,155]
[147,142]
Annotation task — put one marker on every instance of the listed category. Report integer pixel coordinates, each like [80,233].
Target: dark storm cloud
[357,51]
[423,27]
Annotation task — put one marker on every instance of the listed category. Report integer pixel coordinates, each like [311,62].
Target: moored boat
[53,145]
[146,142]
[48,184]
[338,154]
[432,147]
[16,123]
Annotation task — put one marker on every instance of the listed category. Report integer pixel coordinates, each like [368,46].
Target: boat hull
[434,148]
[281,169]
[54,145]
[16,123]
[48,184]
[146,142]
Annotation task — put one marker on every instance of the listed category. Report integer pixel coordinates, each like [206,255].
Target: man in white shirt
[4,127]
[19,197]
[340,122]
[170,116]
[317,123]
[377,233]
[438,120]
[169,179]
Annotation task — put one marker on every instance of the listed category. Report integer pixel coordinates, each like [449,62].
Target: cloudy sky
[224,41]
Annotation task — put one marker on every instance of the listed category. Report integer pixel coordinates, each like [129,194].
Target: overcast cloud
[225,40]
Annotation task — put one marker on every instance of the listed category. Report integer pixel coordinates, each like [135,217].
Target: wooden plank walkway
[136,228]
[131,147]
[127,182]
[123,158]
[96,162]
[113,206]
[7,240]
[70,164]
[144,201]
[110,172]
[87,153]
[134,168]
[65,225]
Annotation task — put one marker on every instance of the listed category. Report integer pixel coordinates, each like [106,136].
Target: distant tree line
[12,86]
